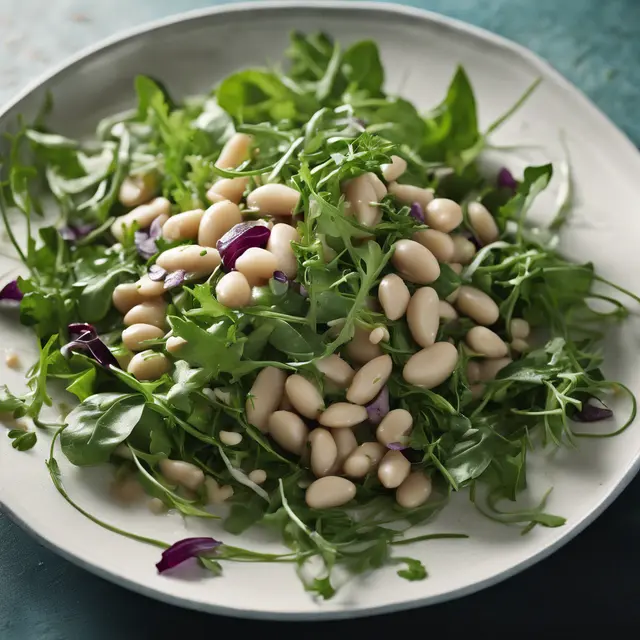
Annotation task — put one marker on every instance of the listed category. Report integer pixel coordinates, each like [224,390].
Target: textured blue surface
[590,585]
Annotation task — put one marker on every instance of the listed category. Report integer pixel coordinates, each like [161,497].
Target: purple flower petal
[592,413]
[280,276]
[156,273]
[74,232]
[379,406]
[84,337]
[416,212]
[185,549]
[506,180]
[238,239]
[175,279]
[145,240]
[11,292]
[396,446]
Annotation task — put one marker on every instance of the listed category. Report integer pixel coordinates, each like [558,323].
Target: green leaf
[98,425]
[83,385]
[362,68]
[187,381]
[23,441]
[297,341]
[414,571]
[213,351]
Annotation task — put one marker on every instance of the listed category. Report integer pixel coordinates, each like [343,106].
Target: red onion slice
[238,239]
[379,406]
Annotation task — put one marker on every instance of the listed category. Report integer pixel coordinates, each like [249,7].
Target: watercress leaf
[83,384]
[98,425]
[186,381]
[414,569]
[297,341]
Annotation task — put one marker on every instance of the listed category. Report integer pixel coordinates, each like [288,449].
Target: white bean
[149,288]
[456,267]
[414,262]
[126,296]
[423,316]
[257,265]
[336,370]
[330,491]
[394,296]
[182,473]
[393,469]
[395,427]
[142,216]
[446,311]
[489,369]
[464,249]
[304,396]
[392,171]
[174,343]
[324,452]
[439,243]
[443,214]
[360,195]
[136,190]
[373,450]
[265,396]
[342,415]
[431,366]
[234,152]
[183,226]
[379,334]
[357,465]
[482,223]
[519,328]
[156,506]
[152,311]
[486,342]
[133,337]
[216,221]
[359,348]
[228,189]
[258,476]
[414,491]
[379,187]
[477,305]
[217,494]
[279,244]
[519,345]
[230,438]
[369,380]
[148,365]
[408,194]
[346,444]
[192,258]
[289,431]
[274,200]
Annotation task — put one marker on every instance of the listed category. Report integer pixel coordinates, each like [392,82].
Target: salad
[297,302]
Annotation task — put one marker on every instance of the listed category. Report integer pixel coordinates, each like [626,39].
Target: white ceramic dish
[420,51]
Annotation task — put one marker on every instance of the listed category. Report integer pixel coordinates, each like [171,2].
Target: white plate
[420,51]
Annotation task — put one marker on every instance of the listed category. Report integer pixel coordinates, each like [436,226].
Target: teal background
[588,586]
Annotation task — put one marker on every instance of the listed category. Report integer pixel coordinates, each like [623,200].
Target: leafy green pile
[324,121]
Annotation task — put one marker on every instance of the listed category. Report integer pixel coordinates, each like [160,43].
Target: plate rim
[546,70]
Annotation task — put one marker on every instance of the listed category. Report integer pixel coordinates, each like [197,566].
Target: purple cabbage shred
[416,212]
[84,338]
[184,550]
[592,413]
[175,279]
[11,292]
[506,179]
[280,276]
[396,446]
[379,406]
[238,239]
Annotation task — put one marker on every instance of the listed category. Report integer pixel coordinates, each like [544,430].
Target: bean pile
[282,405]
